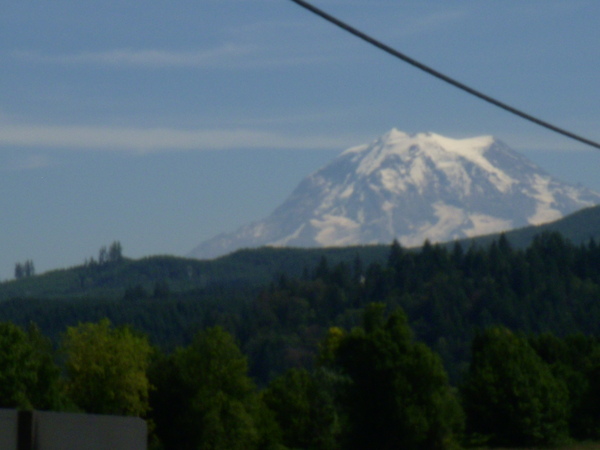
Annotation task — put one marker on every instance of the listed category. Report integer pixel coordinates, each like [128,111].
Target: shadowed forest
[444,347]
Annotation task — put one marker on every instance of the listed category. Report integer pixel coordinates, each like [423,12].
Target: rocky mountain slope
[411,188]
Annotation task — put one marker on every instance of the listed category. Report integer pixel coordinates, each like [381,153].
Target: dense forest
[436,348]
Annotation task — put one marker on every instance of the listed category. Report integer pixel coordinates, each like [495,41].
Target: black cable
[441,76]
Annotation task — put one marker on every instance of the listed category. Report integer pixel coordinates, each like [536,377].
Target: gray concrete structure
[44,430]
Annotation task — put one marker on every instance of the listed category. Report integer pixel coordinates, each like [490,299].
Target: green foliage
[304,406]
[399,396]
[204,398]
[29,377]
[575,360]
[510,396]
[447,294]
[548,290]
[106,368]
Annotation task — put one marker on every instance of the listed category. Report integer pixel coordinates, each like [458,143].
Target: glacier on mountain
[411,188]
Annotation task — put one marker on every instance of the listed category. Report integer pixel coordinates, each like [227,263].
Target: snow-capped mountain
[411,188]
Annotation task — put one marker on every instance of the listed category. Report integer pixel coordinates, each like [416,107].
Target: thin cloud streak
[143,140]
[433,22]
[150,58]
[558,144]
[161,139]
[229,56]
[27,162]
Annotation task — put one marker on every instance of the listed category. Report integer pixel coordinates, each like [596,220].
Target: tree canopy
[510,394]
[106,368]
[398,395]
[29,376]
[207,396]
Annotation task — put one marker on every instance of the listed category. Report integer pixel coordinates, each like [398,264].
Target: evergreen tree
[28,268]
[24,270]
[19,271]
[102,255]
[115,252]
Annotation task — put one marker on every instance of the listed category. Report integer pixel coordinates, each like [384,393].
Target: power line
[441,76]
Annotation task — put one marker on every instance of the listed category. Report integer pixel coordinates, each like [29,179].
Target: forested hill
[280,302]
[249,268]
[324,333]
[547,294]
[448,294]
[578,228]
[244,268]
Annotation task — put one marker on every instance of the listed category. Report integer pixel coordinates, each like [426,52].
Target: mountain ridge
[252,268]
[410,188]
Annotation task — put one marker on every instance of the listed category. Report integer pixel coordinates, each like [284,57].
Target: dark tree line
[24,270]
[448,294]
[107,255]
[373,386]
[326,357]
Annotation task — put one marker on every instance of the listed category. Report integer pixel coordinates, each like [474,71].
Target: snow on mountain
[411,188]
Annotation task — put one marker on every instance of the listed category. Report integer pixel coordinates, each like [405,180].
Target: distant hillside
[248,268]
[578,227]
[447,294]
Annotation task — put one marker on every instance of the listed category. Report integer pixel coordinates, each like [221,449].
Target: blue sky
[161,124]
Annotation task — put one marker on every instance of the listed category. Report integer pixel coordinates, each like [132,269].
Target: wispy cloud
[415,25]
[157,139]
[228,56]
[215,57]
[27,162]
[436,21]
[546,141]
[406,21]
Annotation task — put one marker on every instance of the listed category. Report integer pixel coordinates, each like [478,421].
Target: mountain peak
[411,187]
[394,134]
[396,145]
